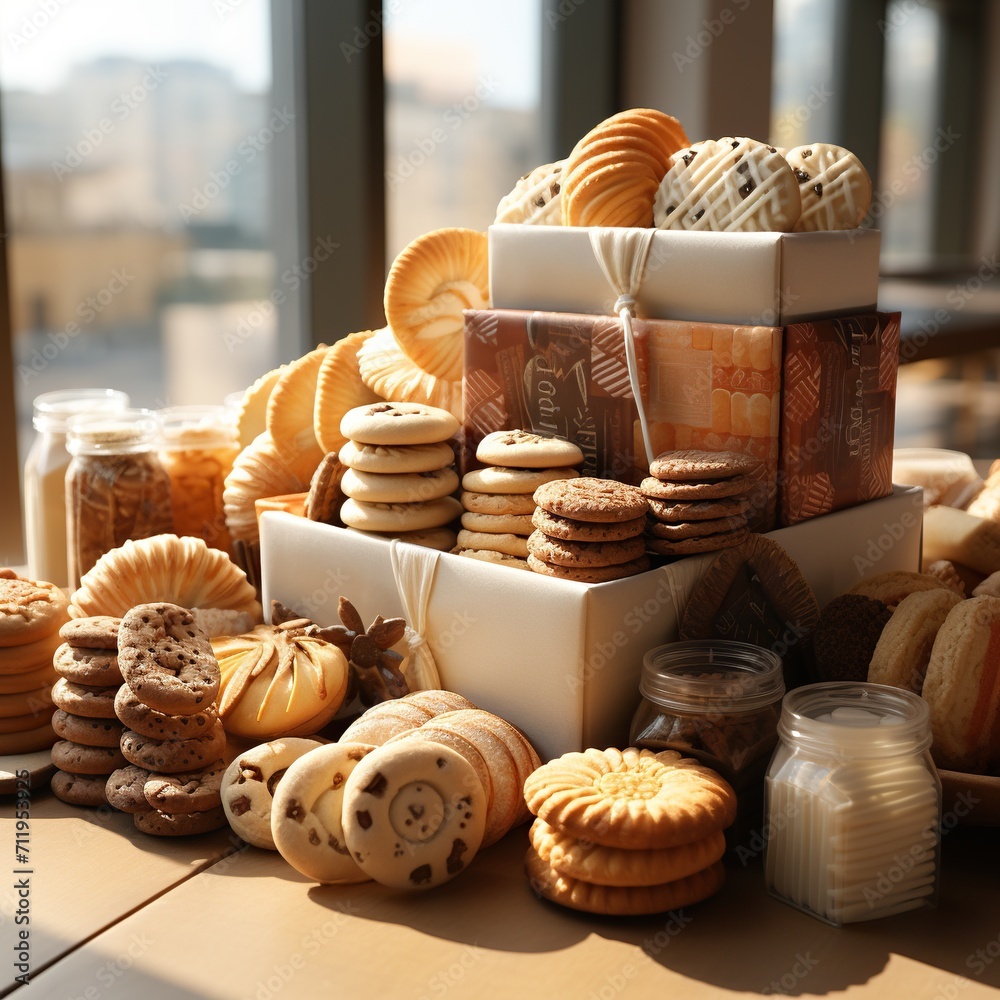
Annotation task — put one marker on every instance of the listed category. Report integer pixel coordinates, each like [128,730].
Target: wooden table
[118,914]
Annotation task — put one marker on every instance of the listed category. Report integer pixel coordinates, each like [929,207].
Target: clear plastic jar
[853,803]
[45,476]
[198,446]
[116,488]
[719,702]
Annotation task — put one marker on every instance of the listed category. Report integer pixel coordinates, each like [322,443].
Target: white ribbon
[621,254]
[413,568]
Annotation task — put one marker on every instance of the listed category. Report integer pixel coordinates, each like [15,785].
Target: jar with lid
[45,476]
[853,803]
[718,701]
[198,446]
[116,488]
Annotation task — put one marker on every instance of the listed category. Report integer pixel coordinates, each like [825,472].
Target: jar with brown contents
[719,702]
[198,446]
[116,488]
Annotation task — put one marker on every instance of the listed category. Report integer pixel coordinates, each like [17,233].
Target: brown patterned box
[704,385]
[838,413]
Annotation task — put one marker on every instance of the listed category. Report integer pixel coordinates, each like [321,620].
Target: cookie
[166,660]
[414,814]
[618,901]
[325,495]
[535,199]
[28,657]
[404,487]
[904,648]
[684,512]
[709,489]
[31,680]
[393,517]
[385,423]
[79,789]
[570,530]
[23,723]
[846,636]
[519,449]
[834,187]
[581,859]
[397,459]
[307,814]
[339,388]
[195,791]
[289,416]
[79,759]
[387,719]
[145,721]
[91,666]
[592,574]
[215,622]
[589,499]
[77,699]
[28,741]
[505,543]
[174,756]
[249,783]
[494,524]
[890,588]
[437,701]
[498,504]
[702,543]
[35,703]
[683,466]
[695,529]
[947,573]
[559,552]
[497,558]
[29,610]
[180,825]
[90,732]
[124,789]
[501,479]
[442,539]
[631,798]
[96,632]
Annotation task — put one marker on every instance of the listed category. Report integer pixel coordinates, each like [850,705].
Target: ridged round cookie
[138,716]
[589,499]
[194,791]
[29,609]
[77,758]
[728,185]
[631,798]
[904,647]
[393,517]
[77,699]
[962,688]
[388,423]
[23,723]
[890,588]
[589,574]
[580,859]
[498,504]
[180,825]
[437,701]
[97,632]
[684,512]
[339,388]
[518,449]
[30,680]
[290,414]
[682,466]
[612,174]
[378,724]
[945,571]
[251,414]
[404,487]
[89,732]
[618,901]
[174,756]
[695,529]
[570,530]
[698,543]
[535,199]
[37,703]
[325,496]
[430,283]
[560,552]
[79,789]
[834,186]
[124,789]
[393,375]
[491,524]
[30,657]
[396,459]
[27,742]
[709,489]
[521,749]
[94,667]
[498,479]
[506,543]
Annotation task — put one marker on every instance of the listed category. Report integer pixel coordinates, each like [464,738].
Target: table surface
[116,913]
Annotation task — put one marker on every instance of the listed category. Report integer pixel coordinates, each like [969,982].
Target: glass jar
[116,488]
[853,803]
[198,446]
[719,702]
[45,476]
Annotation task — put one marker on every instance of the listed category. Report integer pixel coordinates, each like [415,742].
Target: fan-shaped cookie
[535,199]
[429,284]
[290,413]
[339,388]
[612,174]
[834,186]
[251,415]
[163,568]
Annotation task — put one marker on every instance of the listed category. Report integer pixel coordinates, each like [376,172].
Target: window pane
[463,85]
[136,144]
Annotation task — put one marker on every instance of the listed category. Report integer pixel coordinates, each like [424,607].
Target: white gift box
[559,659]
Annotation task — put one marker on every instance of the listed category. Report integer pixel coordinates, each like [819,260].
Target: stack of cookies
[699,500]
[623,832]
[85,721]
[399,472]
[30,616]
[588,530]
[499,498]
[172,743]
